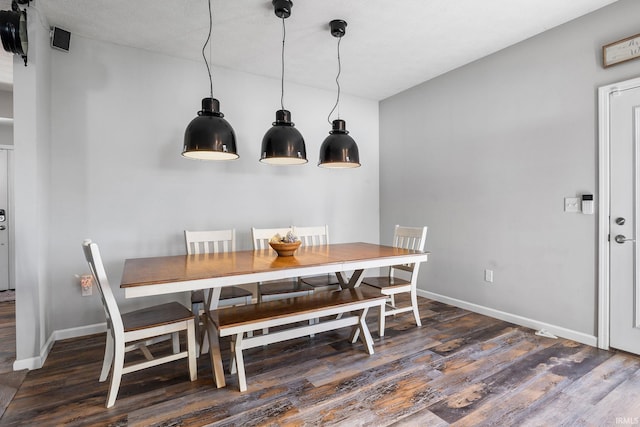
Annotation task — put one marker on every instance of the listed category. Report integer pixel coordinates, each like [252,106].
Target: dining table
[160,275]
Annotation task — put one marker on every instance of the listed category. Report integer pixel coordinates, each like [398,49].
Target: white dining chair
[393,284]
[214,241]
[317,236]
[138,329]
[276,289]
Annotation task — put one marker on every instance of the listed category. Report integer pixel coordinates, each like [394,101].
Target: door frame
[604,181]
[9,149]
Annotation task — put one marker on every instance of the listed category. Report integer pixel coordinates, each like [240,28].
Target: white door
[4,228]
[624,309]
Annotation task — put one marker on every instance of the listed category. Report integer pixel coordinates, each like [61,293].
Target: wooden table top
[248,266]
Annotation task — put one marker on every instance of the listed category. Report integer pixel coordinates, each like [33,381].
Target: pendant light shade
[209,136]
[339,150]
[13,30]
[283,144]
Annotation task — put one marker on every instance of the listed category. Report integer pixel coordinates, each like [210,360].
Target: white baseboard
[514,318]
[35,362]
[80,331]
[63,334]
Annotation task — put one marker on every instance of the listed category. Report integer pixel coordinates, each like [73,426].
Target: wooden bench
[236,321]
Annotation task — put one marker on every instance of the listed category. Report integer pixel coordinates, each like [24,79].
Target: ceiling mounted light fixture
[13,30]
[209,136]
[338,150]
[283,144]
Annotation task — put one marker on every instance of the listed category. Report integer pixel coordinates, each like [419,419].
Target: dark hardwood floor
[9,380]
[459,368]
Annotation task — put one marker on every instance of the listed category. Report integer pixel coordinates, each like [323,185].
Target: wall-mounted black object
[60,39]
[13,31]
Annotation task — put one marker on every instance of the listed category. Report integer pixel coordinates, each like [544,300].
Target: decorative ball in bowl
[285,248]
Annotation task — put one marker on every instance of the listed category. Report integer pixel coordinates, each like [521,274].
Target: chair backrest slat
[261,236]
[313,236]
[212,241]
[92,255]
[413,238]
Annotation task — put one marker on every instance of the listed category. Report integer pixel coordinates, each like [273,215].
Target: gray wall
[6,104]
[118,177]
[31,207]
[109,163]
[484,155]
[6,112]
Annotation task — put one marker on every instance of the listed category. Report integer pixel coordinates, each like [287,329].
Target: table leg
[213,298]
[362,331]
[353,282]
[214,350]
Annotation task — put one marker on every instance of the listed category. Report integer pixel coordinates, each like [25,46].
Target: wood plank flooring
[9,380]
[459,368]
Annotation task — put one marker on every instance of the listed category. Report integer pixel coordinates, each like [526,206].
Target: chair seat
[322,282]
[228,292]
[284,287]
[385,282]
[163,314]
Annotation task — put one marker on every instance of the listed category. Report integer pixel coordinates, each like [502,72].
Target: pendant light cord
[204,48]
[337,104]
[284,33]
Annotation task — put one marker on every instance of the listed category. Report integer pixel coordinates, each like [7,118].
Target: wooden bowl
[285,249]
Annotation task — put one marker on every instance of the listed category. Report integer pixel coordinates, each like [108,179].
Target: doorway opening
[618,222]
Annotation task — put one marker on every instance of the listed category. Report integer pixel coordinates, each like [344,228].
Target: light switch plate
[571,204]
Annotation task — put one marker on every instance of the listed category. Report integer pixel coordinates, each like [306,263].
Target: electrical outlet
[488,276]
[88,291]
[571,204]
[86,284]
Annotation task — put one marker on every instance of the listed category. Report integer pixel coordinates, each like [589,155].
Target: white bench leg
[175,339]
[311,323]
[381,321]
[242,379]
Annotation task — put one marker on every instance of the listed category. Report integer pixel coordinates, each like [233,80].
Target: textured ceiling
[390,45]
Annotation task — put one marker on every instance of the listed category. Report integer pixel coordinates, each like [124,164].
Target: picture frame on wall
[621,51]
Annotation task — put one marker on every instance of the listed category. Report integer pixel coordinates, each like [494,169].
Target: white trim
[38,362]
[80,331]
[513,318]
[35,362]
[636,219]
[604,199]
[603,216]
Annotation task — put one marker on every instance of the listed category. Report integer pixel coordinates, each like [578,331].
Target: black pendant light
[13,30]
[283,144]
[338,150]
[209,136]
